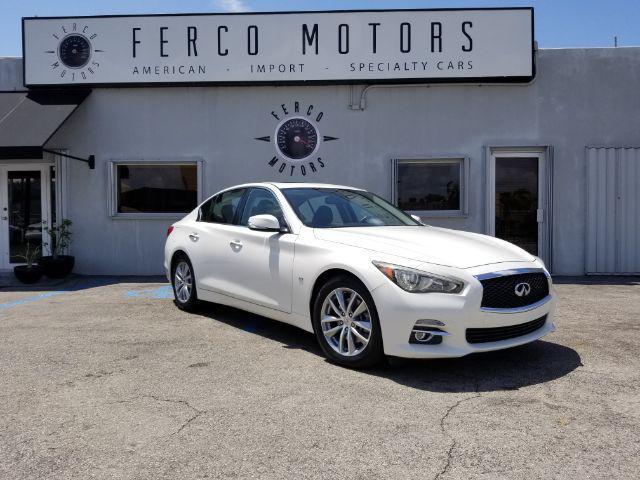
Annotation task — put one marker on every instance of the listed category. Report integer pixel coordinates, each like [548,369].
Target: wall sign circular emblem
[74,52]
[297,139]
[522,289]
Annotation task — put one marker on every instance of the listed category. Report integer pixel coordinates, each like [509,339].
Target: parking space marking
[163,292]
[34,298]
[166,292]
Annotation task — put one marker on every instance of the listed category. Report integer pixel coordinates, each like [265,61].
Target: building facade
[551,164]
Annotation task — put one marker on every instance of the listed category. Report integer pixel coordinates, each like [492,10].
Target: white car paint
[273,274]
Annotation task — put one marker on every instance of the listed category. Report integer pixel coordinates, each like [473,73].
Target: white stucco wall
[580,97]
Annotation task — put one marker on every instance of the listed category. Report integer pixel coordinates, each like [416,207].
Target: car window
[260,202]
[337,207]
[204,209]
[222,208]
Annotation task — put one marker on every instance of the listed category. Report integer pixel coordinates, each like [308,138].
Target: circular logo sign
[74,51]
[296,138]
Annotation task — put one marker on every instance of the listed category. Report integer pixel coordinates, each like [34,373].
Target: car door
[262,261]
[209,241]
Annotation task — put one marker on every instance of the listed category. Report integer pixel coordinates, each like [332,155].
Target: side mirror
[264,223]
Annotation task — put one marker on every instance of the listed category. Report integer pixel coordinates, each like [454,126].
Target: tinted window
[260,202]
[429,186]
[156,188]
[222,208]
[330,208]
[517,202]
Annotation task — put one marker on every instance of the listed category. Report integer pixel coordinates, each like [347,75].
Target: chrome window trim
[526,308]
[512,271]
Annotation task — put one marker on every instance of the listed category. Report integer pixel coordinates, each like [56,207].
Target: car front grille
[501,292]
[496,334]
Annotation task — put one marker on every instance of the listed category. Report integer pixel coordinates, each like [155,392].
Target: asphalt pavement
[104,378]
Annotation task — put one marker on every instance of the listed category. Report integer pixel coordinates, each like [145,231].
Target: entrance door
[24,211]
[517,199]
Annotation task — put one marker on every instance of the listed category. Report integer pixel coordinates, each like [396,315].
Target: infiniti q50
[366,278]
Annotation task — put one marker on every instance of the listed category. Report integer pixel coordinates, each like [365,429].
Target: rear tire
[346,324]
[183,282]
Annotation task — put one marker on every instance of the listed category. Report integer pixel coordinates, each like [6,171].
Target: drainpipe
[361,103]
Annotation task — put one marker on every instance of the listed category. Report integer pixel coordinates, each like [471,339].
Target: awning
[29,119]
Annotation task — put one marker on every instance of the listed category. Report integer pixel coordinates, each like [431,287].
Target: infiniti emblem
[522,289]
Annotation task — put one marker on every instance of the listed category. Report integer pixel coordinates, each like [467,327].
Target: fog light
[427,335]
[423,336]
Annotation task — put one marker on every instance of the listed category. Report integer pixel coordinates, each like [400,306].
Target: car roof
[284,185]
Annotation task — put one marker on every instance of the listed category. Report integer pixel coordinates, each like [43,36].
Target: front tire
[346,323]
[183,282]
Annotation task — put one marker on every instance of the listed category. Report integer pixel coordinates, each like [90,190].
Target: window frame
[245,200]
[112,187]
[463,162]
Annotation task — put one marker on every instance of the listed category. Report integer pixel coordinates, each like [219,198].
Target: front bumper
[399,311]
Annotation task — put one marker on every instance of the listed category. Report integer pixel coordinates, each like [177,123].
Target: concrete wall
[580,97]
[11,74]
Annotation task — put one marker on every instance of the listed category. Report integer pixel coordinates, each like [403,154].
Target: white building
[539,147]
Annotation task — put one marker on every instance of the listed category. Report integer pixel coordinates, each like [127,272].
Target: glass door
[517,202]
[516,197]
[24,212]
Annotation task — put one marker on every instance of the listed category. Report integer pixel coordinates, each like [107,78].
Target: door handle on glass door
[194,237]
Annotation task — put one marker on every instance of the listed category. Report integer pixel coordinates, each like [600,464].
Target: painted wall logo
[297,140]
[76,57]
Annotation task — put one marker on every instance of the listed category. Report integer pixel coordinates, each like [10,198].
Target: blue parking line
[250,327]
[162,292]
[166,292]
[34,298]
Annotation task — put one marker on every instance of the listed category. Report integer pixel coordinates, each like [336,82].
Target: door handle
[194,237]
[236,244]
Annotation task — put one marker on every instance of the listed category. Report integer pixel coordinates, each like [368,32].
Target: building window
[434,187]
[158,188]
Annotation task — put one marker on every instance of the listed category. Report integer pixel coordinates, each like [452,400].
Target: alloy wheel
[183,282]
[346,322]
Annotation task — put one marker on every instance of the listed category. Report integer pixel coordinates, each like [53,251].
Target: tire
[342,339]
[183,282]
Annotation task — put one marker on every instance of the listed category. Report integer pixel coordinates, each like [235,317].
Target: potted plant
[29,273]
[59,264]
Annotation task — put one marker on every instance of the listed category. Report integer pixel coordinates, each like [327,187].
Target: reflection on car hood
[427,244]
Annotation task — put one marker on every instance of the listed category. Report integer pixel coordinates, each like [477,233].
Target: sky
[559,23]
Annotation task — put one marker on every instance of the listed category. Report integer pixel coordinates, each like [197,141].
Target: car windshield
[338,207]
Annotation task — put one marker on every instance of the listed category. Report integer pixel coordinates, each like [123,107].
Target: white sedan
[366,278]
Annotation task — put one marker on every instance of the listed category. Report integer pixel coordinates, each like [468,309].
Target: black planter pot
[58,267]
[28,274]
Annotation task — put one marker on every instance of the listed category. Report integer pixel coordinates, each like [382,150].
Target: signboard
[477,45]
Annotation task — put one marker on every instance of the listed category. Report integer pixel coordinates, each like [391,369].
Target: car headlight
[417,281]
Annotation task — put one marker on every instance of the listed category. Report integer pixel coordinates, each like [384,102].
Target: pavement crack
[443,428]
[196,412]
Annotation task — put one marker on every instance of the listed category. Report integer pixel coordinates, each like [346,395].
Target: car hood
[453,248]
